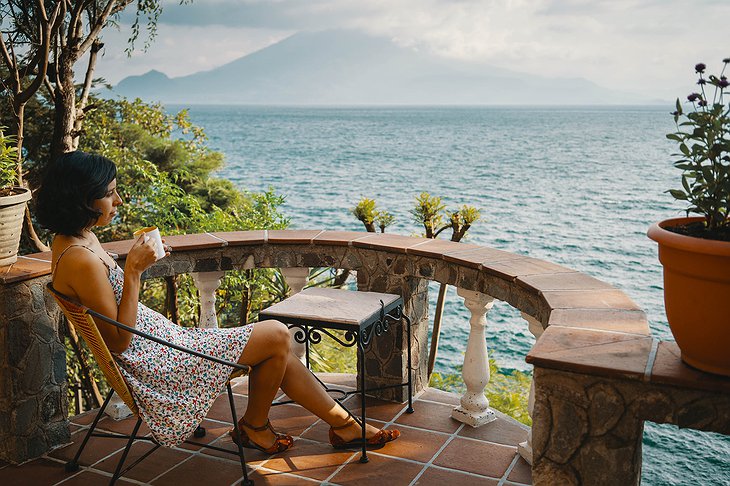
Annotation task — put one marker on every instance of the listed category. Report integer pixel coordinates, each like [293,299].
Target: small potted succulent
[13,199]
[695,251]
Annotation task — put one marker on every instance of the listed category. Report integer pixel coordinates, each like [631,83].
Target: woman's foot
[263,438]
[350,435]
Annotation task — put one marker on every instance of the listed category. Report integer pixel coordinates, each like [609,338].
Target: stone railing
[598,374]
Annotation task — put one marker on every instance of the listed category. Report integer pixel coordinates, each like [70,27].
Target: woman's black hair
[64,201]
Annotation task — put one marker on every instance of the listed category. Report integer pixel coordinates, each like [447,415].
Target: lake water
[575,186]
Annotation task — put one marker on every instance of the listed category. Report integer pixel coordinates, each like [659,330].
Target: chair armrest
[143,334]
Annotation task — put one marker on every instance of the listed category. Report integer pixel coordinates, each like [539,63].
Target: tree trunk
[65,104]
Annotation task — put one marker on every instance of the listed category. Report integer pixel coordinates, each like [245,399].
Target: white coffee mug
[154,233]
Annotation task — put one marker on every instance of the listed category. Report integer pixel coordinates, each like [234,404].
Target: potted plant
[695,251]
[12,201]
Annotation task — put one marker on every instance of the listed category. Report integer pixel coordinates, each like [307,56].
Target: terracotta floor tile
[252,456]
[202,470]
[414,444]
[379,471]
[291,419]
[436,395]
[91,478]
[152,466]
[213,430]
[347,380]
[521,473]
[40,471]
[276,478]
[310,459]
[432,416]
[123,426]
[221,410]
[476,457]
[436,476]
[86,418]
[500,431]
[97,448]
[375,408]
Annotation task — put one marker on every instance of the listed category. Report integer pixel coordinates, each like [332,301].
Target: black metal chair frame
[73,465]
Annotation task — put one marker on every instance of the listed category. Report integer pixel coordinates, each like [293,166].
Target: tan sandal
[375,442]
[282,442]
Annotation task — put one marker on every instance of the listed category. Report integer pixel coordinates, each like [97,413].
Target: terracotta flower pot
[696,295]
[12,210]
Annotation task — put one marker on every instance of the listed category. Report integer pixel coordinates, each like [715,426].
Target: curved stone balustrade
[598,373]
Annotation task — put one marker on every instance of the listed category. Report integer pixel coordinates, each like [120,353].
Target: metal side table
[361,315]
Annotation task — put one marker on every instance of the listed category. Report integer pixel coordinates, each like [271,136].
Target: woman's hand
[141,256]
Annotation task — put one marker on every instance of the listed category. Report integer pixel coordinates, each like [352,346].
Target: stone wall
[33,388]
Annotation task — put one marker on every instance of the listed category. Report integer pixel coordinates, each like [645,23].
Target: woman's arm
[87,276]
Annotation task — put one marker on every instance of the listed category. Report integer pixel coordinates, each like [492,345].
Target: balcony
[598,373]
[434,448]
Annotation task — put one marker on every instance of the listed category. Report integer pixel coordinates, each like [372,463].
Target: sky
[647,47]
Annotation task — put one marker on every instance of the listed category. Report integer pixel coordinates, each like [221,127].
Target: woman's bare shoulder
[75,267]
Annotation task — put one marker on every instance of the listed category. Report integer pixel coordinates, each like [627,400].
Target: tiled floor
[433,449]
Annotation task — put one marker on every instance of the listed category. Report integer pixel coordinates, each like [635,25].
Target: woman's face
[107,205]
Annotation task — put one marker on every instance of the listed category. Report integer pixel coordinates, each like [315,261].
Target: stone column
[207,283]
[525,448]
[587,430]
[474,409]
[33,388]
[386,360]
[296,278]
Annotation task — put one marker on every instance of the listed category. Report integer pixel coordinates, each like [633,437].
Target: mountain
[348,67]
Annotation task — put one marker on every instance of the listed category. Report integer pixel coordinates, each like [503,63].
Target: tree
[40,44]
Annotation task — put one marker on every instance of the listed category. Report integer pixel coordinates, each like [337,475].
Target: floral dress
[174,390]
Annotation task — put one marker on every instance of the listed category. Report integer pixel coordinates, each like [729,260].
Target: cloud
[640,45]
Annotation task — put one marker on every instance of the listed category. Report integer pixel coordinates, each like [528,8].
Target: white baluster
[474,409]
[296,278]
[525,448]
[207,283]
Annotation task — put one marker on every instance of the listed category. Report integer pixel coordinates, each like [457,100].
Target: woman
[173,390]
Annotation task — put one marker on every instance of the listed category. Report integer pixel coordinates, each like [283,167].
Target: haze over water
[576,186]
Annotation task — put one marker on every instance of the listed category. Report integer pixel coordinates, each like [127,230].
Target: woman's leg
[274,367]
[267,353]
[300,385]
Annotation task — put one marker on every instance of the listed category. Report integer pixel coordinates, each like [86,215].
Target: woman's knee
[279,334]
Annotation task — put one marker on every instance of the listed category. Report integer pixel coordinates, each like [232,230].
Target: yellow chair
[81,318]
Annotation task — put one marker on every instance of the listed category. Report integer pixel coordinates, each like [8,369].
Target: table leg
[410,367]
[361,352]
